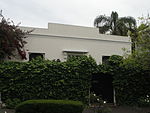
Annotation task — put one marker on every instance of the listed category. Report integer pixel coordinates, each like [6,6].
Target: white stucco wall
[58,37]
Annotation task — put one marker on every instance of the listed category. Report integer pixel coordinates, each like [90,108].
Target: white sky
[37,13]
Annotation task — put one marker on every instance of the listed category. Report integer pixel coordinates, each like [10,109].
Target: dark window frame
[105,59]
[33,55]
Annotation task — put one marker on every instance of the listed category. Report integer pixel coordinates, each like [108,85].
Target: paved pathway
[114,110]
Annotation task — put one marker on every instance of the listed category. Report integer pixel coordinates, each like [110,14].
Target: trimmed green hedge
[70,80]
[132,84]
[45,79]
[50,106]
[130,80]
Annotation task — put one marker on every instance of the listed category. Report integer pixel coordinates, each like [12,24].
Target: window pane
[35,55]
[105,59]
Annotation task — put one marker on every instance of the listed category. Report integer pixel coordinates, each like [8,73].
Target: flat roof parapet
[72,31]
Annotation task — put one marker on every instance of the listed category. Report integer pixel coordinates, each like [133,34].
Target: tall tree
[115,25]
[11,39]
[103,23]
[141,45]
[134,34]
[142,50]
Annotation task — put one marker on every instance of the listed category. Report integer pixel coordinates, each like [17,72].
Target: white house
[60,41]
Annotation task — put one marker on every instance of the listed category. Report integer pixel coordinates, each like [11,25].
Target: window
[76,54]
[35,55]
[105,59]
[70,53]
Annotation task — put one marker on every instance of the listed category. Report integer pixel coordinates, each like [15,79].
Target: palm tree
[125,24]
[115,25]
[103,23]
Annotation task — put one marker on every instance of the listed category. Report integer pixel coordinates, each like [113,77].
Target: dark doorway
[102,85]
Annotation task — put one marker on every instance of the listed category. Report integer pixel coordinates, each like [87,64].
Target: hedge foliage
[132,84]
[70,80]
[44,79]
[50,106]
[130,80]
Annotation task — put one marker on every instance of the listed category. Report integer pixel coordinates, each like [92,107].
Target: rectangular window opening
[105,59]
[36,55]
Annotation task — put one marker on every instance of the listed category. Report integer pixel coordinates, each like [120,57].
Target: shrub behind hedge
[50,106]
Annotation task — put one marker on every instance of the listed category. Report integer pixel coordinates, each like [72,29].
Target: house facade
[60,41]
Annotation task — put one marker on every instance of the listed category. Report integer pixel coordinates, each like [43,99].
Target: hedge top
[50,106]
[42,101]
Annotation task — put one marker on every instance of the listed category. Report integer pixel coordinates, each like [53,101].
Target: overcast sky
[37,13]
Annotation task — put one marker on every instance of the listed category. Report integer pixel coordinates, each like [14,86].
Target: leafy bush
[131,83]
[50,106]
[144,101]
[130,80]
[94,99]
[11,39]
[70,80]
[12,103]
[44,79]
